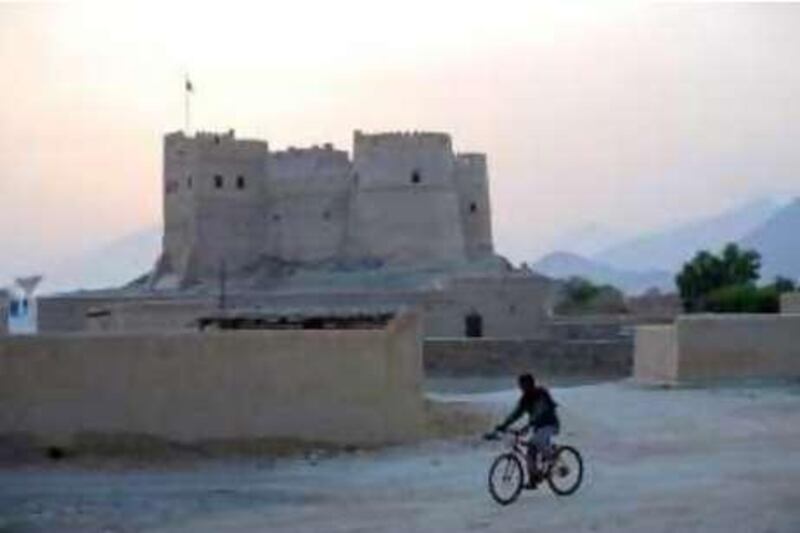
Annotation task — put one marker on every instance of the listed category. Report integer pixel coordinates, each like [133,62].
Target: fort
[403,199]
[403,221]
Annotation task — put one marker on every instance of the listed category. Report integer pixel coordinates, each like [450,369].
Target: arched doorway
[473,325]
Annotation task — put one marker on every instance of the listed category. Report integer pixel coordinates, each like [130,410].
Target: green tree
[782,285]
[580,291]
[707,273]
[740,267]
[580,296]
[744,299]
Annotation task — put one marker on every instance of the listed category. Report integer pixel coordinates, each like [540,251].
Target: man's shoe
[533,481]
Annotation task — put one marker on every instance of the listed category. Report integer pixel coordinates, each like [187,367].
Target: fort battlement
[206,145]
[402,138]
[308,171]
[315,156]
[294,151]
[471,159]
[405,198]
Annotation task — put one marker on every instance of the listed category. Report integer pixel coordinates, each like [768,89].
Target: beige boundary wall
[326,386]
[790,302]
[604,359]
[5,302]
[708,347]
[655,355]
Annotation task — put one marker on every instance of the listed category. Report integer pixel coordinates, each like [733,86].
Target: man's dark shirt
[539,406]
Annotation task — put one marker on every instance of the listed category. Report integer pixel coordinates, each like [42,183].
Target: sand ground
[718,459]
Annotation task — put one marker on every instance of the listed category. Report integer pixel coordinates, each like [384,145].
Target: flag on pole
[188,91]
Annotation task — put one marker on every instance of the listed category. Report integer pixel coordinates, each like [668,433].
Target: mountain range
[670,248]
[567,265]
[652,260]
[633,265]
[109,265]
[778,242]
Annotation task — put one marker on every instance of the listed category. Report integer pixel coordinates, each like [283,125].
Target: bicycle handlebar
[495,434]
[514,431]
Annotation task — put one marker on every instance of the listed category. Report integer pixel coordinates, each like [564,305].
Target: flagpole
[187,94]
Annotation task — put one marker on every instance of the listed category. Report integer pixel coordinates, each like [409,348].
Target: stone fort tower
[213,203]
[404,199]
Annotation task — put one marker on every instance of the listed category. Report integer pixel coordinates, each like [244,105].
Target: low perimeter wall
[553,358]
[5,301]
[790,302]
[327,386]
[708,347]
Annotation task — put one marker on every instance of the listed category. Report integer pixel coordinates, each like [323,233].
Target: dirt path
[690,460]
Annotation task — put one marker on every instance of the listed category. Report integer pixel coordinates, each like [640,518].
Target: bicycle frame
[549,465]
[516,443]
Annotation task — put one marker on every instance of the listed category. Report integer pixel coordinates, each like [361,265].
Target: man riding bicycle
[542,419]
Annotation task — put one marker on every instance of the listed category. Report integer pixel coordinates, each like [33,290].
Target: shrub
[707,273]
[744,299]
[580,296]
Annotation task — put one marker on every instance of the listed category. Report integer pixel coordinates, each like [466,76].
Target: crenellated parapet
[214,187]
[307,203]
[400,160]
[308,171]
[403,198]
[212,162]
[408,138]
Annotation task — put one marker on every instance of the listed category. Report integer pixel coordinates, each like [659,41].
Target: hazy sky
[628,116]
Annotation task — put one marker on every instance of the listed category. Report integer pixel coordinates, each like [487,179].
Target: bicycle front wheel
[565,472]
[506,478]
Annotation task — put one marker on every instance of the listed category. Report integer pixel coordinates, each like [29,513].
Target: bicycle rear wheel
[506,478]
[565,473]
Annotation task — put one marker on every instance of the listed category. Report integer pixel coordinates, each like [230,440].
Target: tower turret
[472,182]
[405,201]
[213,196]
[307,203]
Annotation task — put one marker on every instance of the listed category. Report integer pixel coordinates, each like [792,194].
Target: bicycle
[561,466]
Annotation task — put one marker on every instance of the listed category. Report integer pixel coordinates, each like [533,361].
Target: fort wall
[5,302]
[66,314]
[214,187]
[655,354]
[307,204]
[506,307]
[472,185]
[713,347]
[404,199]
[328,386]
[546,358]
[406,207]
[790,303]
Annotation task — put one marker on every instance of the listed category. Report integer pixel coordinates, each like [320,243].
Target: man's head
[526,382]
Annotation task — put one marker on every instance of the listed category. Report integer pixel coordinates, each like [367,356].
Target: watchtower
[308,192]
[472,183]
[214,186]
[406,207]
